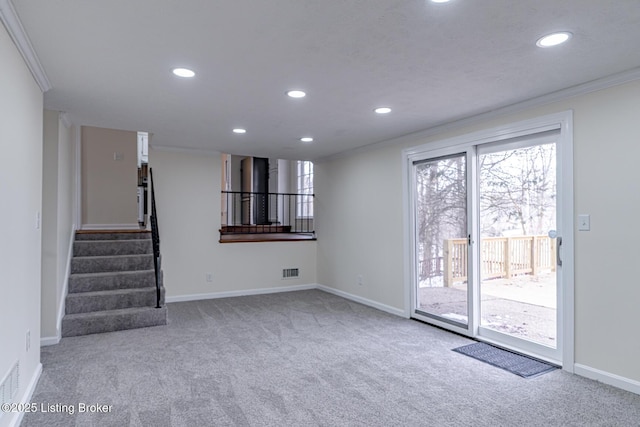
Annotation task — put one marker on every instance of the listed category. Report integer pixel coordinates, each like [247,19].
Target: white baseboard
[16,419]
[608,378]
[227,294]
[46,341]
[365,301]
[89,227]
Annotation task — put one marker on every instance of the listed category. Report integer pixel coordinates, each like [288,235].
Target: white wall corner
[14,27]
[65,119]
[608,378]
[77,159]
[46,341]
[383,307]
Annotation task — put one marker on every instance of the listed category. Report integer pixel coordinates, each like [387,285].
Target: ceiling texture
[110,65]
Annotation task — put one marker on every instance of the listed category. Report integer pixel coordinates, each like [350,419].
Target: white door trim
[563,122]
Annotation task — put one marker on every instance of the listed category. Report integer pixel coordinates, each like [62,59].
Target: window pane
[304,204]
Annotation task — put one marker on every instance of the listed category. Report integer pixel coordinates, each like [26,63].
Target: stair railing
[155,236]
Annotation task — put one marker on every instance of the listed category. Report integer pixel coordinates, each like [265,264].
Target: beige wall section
[20,238]
[66,202]
[57,228]
[187,194]
[49,274]
[607,149]
[109,187]
[360,222]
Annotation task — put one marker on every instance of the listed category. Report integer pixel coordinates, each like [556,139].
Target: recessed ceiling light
[306,139]
[239,130]
[183,72]
[296,94]
[553,39]
[383,110]
[440,1]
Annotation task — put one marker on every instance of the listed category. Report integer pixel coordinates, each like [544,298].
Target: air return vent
[10,384]
[290,273]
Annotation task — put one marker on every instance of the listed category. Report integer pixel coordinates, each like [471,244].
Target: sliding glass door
[517,260]
[441,235]
[486,255]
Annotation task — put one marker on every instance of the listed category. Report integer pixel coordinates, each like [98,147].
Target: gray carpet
[304,359]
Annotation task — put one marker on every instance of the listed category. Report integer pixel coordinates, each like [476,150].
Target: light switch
[584,222]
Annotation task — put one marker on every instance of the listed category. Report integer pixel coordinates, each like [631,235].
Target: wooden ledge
[266,237]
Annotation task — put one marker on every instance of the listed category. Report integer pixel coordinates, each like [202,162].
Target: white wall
[57,227]
[49,271]
[358,220]
[109,186]
[360,223]
[66,192]
[188,200]
[20,239]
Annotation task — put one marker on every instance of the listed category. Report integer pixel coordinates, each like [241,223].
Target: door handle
[558,246]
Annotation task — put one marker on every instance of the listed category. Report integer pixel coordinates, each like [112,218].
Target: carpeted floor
[303,359]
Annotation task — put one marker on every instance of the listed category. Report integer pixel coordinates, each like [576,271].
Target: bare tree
[441,209]
[517,190]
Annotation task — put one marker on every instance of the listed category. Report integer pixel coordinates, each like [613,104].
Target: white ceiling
[110,63]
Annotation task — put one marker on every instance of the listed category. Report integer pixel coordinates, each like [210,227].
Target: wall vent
[290,273]
[10,384]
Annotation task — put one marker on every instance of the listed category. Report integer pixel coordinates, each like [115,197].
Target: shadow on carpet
[524,366]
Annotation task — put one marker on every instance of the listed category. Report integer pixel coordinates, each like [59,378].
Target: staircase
[112,285]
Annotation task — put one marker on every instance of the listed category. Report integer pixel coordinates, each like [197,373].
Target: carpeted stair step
[112,285]
[100,264]
[123,235]
[85,302]
[107,281]
[83,248]
[112,320]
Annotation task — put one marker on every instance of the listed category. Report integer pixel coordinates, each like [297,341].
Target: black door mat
[524,366]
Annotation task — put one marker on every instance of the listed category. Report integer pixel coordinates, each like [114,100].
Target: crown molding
[14,27]
[570,92]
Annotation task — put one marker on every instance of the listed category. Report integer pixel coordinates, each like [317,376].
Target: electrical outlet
[209,277]
[360,280]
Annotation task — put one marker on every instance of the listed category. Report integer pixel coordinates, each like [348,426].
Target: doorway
[488,216]
[441,235]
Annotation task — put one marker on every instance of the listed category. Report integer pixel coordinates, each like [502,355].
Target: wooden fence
[500,257]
